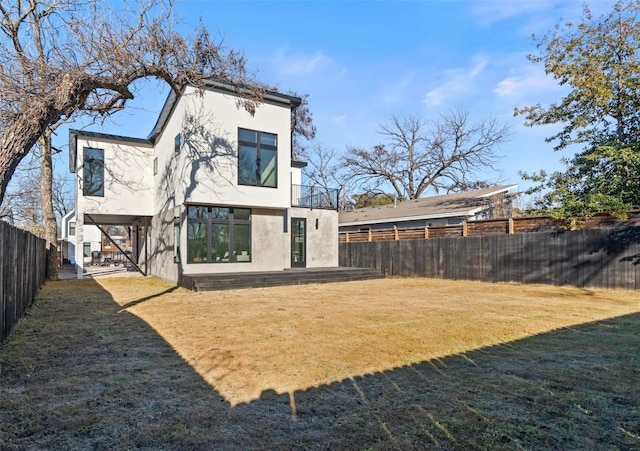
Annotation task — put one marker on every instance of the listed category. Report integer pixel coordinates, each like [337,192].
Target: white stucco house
[212,189]
[68,240]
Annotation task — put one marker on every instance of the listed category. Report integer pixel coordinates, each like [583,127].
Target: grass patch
[401,363]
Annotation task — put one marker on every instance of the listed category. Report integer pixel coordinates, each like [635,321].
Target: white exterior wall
[128,179]
[296,176]
[128,189]
[322,243]
[205,170]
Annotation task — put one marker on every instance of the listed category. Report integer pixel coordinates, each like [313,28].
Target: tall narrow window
[176,241]
[257,158]
[72,228]
[93,172]
[176,144]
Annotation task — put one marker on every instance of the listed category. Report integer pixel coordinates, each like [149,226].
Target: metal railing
[315,197]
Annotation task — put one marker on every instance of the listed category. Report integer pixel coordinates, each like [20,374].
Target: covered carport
[138,229]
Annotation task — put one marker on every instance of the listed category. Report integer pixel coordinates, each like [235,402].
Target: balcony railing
[315,197]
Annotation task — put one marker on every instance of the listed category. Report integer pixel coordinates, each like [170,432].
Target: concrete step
[228,281]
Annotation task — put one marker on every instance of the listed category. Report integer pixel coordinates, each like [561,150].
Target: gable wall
[205,170]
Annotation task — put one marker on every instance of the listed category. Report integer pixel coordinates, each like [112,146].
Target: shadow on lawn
[84,374]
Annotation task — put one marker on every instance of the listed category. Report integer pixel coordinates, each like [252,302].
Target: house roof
[467,203]
[227,87]
[75,134]
[165,113]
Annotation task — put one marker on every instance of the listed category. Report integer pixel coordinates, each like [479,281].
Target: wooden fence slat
[23,259]
[597,258]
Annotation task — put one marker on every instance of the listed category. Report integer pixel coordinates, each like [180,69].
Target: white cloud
[527,80]
[458,81]
[302,64]
[490,12]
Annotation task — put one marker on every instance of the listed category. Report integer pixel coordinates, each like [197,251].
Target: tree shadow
[203,160]
[598,258]
[82,373]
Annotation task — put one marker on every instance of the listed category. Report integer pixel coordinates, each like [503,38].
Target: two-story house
[213,189]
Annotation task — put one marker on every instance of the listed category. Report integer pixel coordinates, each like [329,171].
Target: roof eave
[172,99]
[455,214]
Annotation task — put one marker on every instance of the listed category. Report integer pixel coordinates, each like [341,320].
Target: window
[176,240]
[218,235]
[93,172]
[176,144]
[257,158]
[86,250]
[72,228]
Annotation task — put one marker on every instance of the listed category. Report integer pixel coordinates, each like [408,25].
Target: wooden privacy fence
[23,260]
[505,226]
[597,258]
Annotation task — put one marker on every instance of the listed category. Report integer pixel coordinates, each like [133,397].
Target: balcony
[315,197]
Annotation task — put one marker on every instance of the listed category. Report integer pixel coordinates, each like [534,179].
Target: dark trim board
[230,281]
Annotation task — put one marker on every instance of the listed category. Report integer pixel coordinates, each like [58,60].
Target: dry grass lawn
[384,364]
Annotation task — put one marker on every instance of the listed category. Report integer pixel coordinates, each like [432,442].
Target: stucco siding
[322,242]
[128,181]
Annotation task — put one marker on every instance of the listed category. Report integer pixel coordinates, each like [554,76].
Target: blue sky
[362,61]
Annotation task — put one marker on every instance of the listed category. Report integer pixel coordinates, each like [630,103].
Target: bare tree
[21,205]
[416,156]
[302,126]
[54,66]
[325,169]
[62,197]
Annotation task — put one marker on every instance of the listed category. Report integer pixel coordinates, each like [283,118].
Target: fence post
[511,228]
[426,233]
[396,234]
[347,237]
[465,228]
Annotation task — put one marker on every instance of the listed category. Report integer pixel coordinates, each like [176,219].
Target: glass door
[298,242]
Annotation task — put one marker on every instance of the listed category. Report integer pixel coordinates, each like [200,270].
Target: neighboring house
[434,211]
[91,242]
[213,189]
[115,246]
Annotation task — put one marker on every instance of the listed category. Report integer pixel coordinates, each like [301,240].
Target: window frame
[89,165]
[177,143]
[211,220]
[258,146]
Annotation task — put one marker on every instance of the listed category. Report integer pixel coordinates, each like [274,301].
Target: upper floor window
[93,172]
[177,142]
[72,228]
[257,158]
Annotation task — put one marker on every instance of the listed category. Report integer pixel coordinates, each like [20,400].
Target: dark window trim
[258,146]
[85,162]
[210,220]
